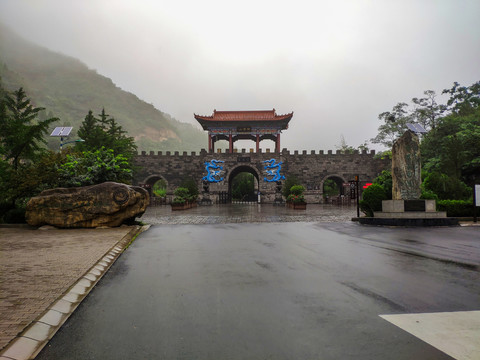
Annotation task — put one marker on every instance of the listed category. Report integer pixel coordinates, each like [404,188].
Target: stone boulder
[106,204]
[406,169]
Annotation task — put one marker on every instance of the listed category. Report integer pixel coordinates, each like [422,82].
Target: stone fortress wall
[311,168]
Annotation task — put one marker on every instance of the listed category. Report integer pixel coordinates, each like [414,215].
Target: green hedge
[456,208]
[372,199]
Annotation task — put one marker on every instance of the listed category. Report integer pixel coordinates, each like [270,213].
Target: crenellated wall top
[284,152]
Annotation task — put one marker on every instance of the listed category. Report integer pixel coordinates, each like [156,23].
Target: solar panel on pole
[411,128]
[416,128]
[420,128]
[56,131]
[66,130]
[62,131]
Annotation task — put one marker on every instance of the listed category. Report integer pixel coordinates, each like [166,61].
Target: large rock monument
[406,168]
[406,208]
[107,204]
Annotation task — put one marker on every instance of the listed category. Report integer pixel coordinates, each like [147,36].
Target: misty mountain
[68,89]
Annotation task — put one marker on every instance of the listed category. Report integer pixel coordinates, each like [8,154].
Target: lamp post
[68,142]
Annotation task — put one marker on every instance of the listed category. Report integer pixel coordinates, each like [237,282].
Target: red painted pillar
[258,143]
[230,143]
[210,147]
[277,143]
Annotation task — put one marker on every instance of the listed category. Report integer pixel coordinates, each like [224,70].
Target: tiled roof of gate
[251,115]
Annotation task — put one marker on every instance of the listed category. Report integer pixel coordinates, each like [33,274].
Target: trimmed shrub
[287,185]
[297,199]
[456,208]
[192,188]
[297,190]
[446,187]
[428,195]
[372,199]
[181,192]
[385,179]
[178,200]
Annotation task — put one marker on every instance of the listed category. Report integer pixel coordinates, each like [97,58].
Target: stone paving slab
[251,213]
[37,267]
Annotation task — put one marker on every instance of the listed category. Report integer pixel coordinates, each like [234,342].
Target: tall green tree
[463,99]
[453,147]
[21,132]
[394,125]
[427,111]
[105,131]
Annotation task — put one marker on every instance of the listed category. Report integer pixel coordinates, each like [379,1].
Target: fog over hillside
[68,89]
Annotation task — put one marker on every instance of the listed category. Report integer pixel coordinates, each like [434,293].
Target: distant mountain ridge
[68,89]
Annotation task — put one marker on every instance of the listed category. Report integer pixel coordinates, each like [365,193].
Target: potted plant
[180,201]
[296,199]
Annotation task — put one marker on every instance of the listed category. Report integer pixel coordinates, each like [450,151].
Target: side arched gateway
[333,189]
[157,187]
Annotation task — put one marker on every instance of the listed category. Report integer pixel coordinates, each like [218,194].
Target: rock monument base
[409,213]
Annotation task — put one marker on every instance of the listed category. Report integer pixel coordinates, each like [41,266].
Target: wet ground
[252,213]
[228,289]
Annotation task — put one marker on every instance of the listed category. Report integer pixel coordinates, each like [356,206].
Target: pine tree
[21,132]
[104,131]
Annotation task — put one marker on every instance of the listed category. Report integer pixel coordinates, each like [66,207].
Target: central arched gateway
[244,169]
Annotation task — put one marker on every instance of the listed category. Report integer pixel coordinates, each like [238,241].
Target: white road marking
[455,333]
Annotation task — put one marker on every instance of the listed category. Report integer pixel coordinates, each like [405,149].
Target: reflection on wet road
[292,290]
[241,213]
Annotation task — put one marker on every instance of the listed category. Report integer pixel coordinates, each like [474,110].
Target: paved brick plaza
[37,266]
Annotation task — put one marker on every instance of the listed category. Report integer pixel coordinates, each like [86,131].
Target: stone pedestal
[414,209]
[409,213]
[205,201]
[278,200]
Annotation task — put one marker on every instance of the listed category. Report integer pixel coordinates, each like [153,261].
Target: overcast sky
[337,64]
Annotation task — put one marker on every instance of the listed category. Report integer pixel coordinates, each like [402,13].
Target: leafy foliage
[385,180]
[243,186]
[89,168]
[330,188]
[372,199]
[192,188]
[456,208]
[446,187]
[297,189]
[296,194]
[287,185]
[427,111]
[463,99]
[451,148]
[159,189]
[184,194]
[394,125]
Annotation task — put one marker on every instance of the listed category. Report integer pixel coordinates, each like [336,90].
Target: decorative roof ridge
[215,111]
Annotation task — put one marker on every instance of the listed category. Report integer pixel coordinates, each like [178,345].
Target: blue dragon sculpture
[213,171]
[273,169]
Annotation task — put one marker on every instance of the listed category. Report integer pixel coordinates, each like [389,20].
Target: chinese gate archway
[244,125]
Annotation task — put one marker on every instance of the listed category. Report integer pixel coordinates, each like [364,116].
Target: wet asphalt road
[273,291]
